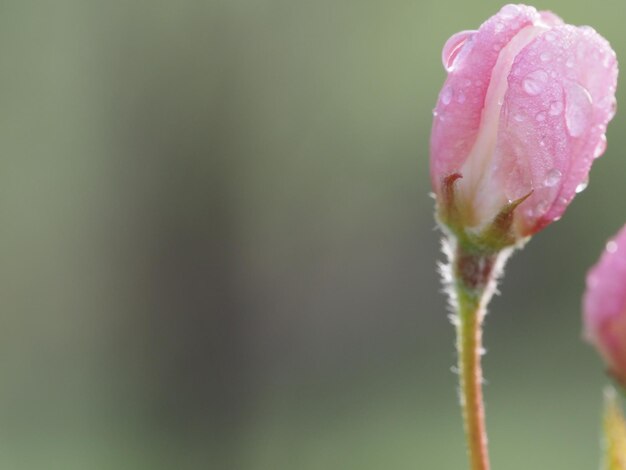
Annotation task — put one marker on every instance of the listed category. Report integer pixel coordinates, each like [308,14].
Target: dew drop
[556,108]
[600,148]
[550,37]
[518,117]
[467,82]
[578,109]
[509,11]
[609,104]
[582,186]
[540,117]
[453,47]
[588,30]
[613,108]
[542,207]
[435,113]
[535,82]
[499,27]
[569,63]
[552,178]
[611,246]
[446,95]
[460,97]
[545,56]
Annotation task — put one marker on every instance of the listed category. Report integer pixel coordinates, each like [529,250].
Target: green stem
[473,277]
[470,377]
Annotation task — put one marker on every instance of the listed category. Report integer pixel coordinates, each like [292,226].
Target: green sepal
[498,234]
[450,213]
[492,238]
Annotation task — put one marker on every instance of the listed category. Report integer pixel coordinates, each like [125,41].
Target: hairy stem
[473,278]
[470,377]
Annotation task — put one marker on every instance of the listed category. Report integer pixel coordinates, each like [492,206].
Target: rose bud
[604,306]
[520,119]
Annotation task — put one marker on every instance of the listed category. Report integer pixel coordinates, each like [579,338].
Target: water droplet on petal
[452,48]
[578,109]
[535,82]
[518,117]
[609,104]
[600,148]
[509,11]
[460,97]
[552,178]
[435,113]
[550,37]
[467,82]
[569,63]
[613,108]
[582,186]
[556,108]
[545,56]
[498,27]
[611,246]
[446,95]
[542,207]
[540,117]
[588,30]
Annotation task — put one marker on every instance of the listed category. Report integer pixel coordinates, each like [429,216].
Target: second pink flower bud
[604,306]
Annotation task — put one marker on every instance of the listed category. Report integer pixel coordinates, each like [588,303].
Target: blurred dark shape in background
[218,249]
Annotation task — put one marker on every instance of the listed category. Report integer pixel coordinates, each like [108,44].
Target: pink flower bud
[604,306]
[523,112]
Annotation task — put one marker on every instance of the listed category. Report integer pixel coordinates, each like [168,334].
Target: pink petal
[560,99]
[470,58]
[604,304]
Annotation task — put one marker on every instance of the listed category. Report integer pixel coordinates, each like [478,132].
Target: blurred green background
[218,251]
